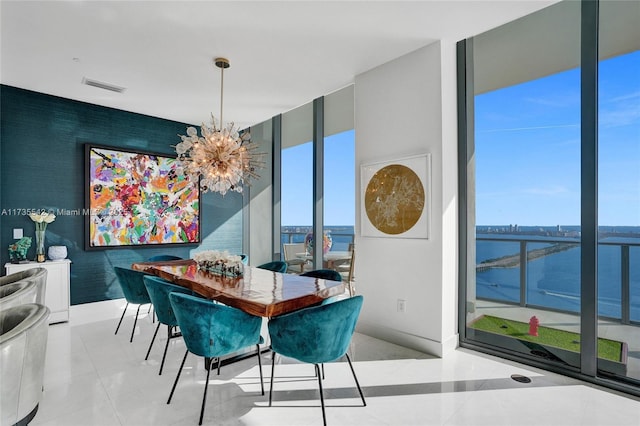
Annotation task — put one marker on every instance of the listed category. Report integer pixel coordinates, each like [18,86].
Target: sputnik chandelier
[221,158]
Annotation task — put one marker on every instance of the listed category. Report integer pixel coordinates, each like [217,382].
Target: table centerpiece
[219,262]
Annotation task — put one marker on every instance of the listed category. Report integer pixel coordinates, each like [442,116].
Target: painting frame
[384,216]
[138,199]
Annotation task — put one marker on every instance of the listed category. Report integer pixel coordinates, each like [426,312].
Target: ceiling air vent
[101,85]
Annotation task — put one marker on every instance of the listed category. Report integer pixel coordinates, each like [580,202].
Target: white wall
[260,204]
[400,109]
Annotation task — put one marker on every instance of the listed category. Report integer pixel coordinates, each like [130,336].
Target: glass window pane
[526,187]
[296,182]
[339,181]
[619,183]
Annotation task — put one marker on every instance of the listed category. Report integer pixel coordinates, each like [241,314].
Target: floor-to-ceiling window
[525,290]
[303,168]
[297,177]
[619,183]
[339,178]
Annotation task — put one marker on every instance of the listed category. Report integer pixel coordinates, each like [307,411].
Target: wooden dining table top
[258,291]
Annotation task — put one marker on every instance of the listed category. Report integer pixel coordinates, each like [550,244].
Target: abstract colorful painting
[138,198]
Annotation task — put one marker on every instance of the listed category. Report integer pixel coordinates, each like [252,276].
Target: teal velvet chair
[134,291]
[325,274]
[275,266]
[213,330]
[159,290]
[163,257]
[316,335]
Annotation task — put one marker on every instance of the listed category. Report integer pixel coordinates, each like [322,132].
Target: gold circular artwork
[394,199]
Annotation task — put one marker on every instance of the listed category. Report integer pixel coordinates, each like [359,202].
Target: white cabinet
[57,294]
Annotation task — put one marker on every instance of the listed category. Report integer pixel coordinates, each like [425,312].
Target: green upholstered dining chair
[159,290]
[316,335]
[132,284]
[325,274]
[163,257]
[275,266]
[212,331]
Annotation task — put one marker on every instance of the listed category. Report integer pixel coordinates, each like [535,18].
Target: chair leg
[178,376]
[260,367]
[316,371]
[324,417]
[204,397]
[151,344]
[164,355]
[135,321]
[364,403]
[273,367]
[123,312]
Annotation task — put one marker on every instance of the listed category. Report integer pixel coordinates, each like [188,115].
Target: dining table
[257,291]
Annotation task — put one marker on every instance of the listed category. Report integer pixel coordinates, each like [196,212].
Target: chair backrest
[213,330]
[325,274]
[38,275]
[316,334]
[291,249]
[132,284]
[18,293]
[17,276]
[23,347]
[275,266]
[159,290]
[163,257]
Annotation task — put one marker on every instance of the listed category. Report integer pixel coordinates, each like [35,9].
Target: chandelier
[223,158]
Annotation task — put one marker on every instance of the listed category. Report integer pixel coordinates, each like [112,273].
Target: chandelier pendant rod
[221,93]
[221,63]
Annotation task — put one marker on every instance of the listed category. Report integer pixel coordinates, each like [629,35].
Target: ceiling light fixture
[223,158]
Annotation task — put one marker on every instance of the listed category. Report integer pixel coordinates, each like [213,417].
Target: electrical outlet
[17,233]
[402,305]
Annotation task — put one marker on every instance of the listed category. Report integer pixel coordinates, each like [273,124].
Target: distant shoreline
[513,260]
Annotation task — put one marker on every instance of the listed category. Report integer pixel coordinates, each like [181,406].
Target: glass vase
[40,256]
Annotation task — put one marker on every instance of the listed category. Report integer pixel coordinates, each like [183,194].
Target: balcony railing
[341,240]
[525,255]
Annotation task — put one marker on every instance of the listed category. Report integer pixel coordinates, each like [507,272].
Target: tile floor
[93,377]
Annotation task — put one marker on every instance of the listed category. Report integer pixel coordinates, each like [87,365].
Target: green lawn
[607,349]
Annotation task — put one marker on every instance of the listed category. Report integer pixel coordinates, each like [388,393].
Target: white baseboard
[407,340]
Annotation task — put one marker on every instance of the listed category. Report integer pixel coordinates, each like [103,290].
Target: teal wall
[42,167]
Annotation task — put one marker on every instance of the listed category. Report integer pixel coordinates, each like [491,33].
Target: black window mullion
[589,187]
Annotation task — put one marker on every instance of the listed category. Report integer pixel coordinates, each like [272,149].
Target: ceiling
[283,54]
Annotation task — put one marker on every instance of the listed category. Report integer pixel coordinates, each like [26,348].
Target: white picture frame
[383,212]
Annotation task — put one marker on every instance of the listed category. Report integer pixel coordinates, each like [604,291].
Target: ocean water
[554,280]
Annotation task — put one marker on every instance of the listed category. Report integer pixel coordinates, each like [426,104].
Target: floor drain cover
[520,378]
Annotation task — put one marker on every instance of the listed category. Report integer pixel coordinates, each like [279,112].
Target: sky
[527,155]
[528,149]
[339,184]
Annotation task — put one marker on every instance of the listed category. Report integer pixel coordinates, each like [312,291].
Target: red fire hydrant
[534,322]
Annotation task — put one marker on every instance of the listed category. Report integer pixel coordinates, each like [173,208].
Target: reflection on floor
[93,377]
[629,334]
